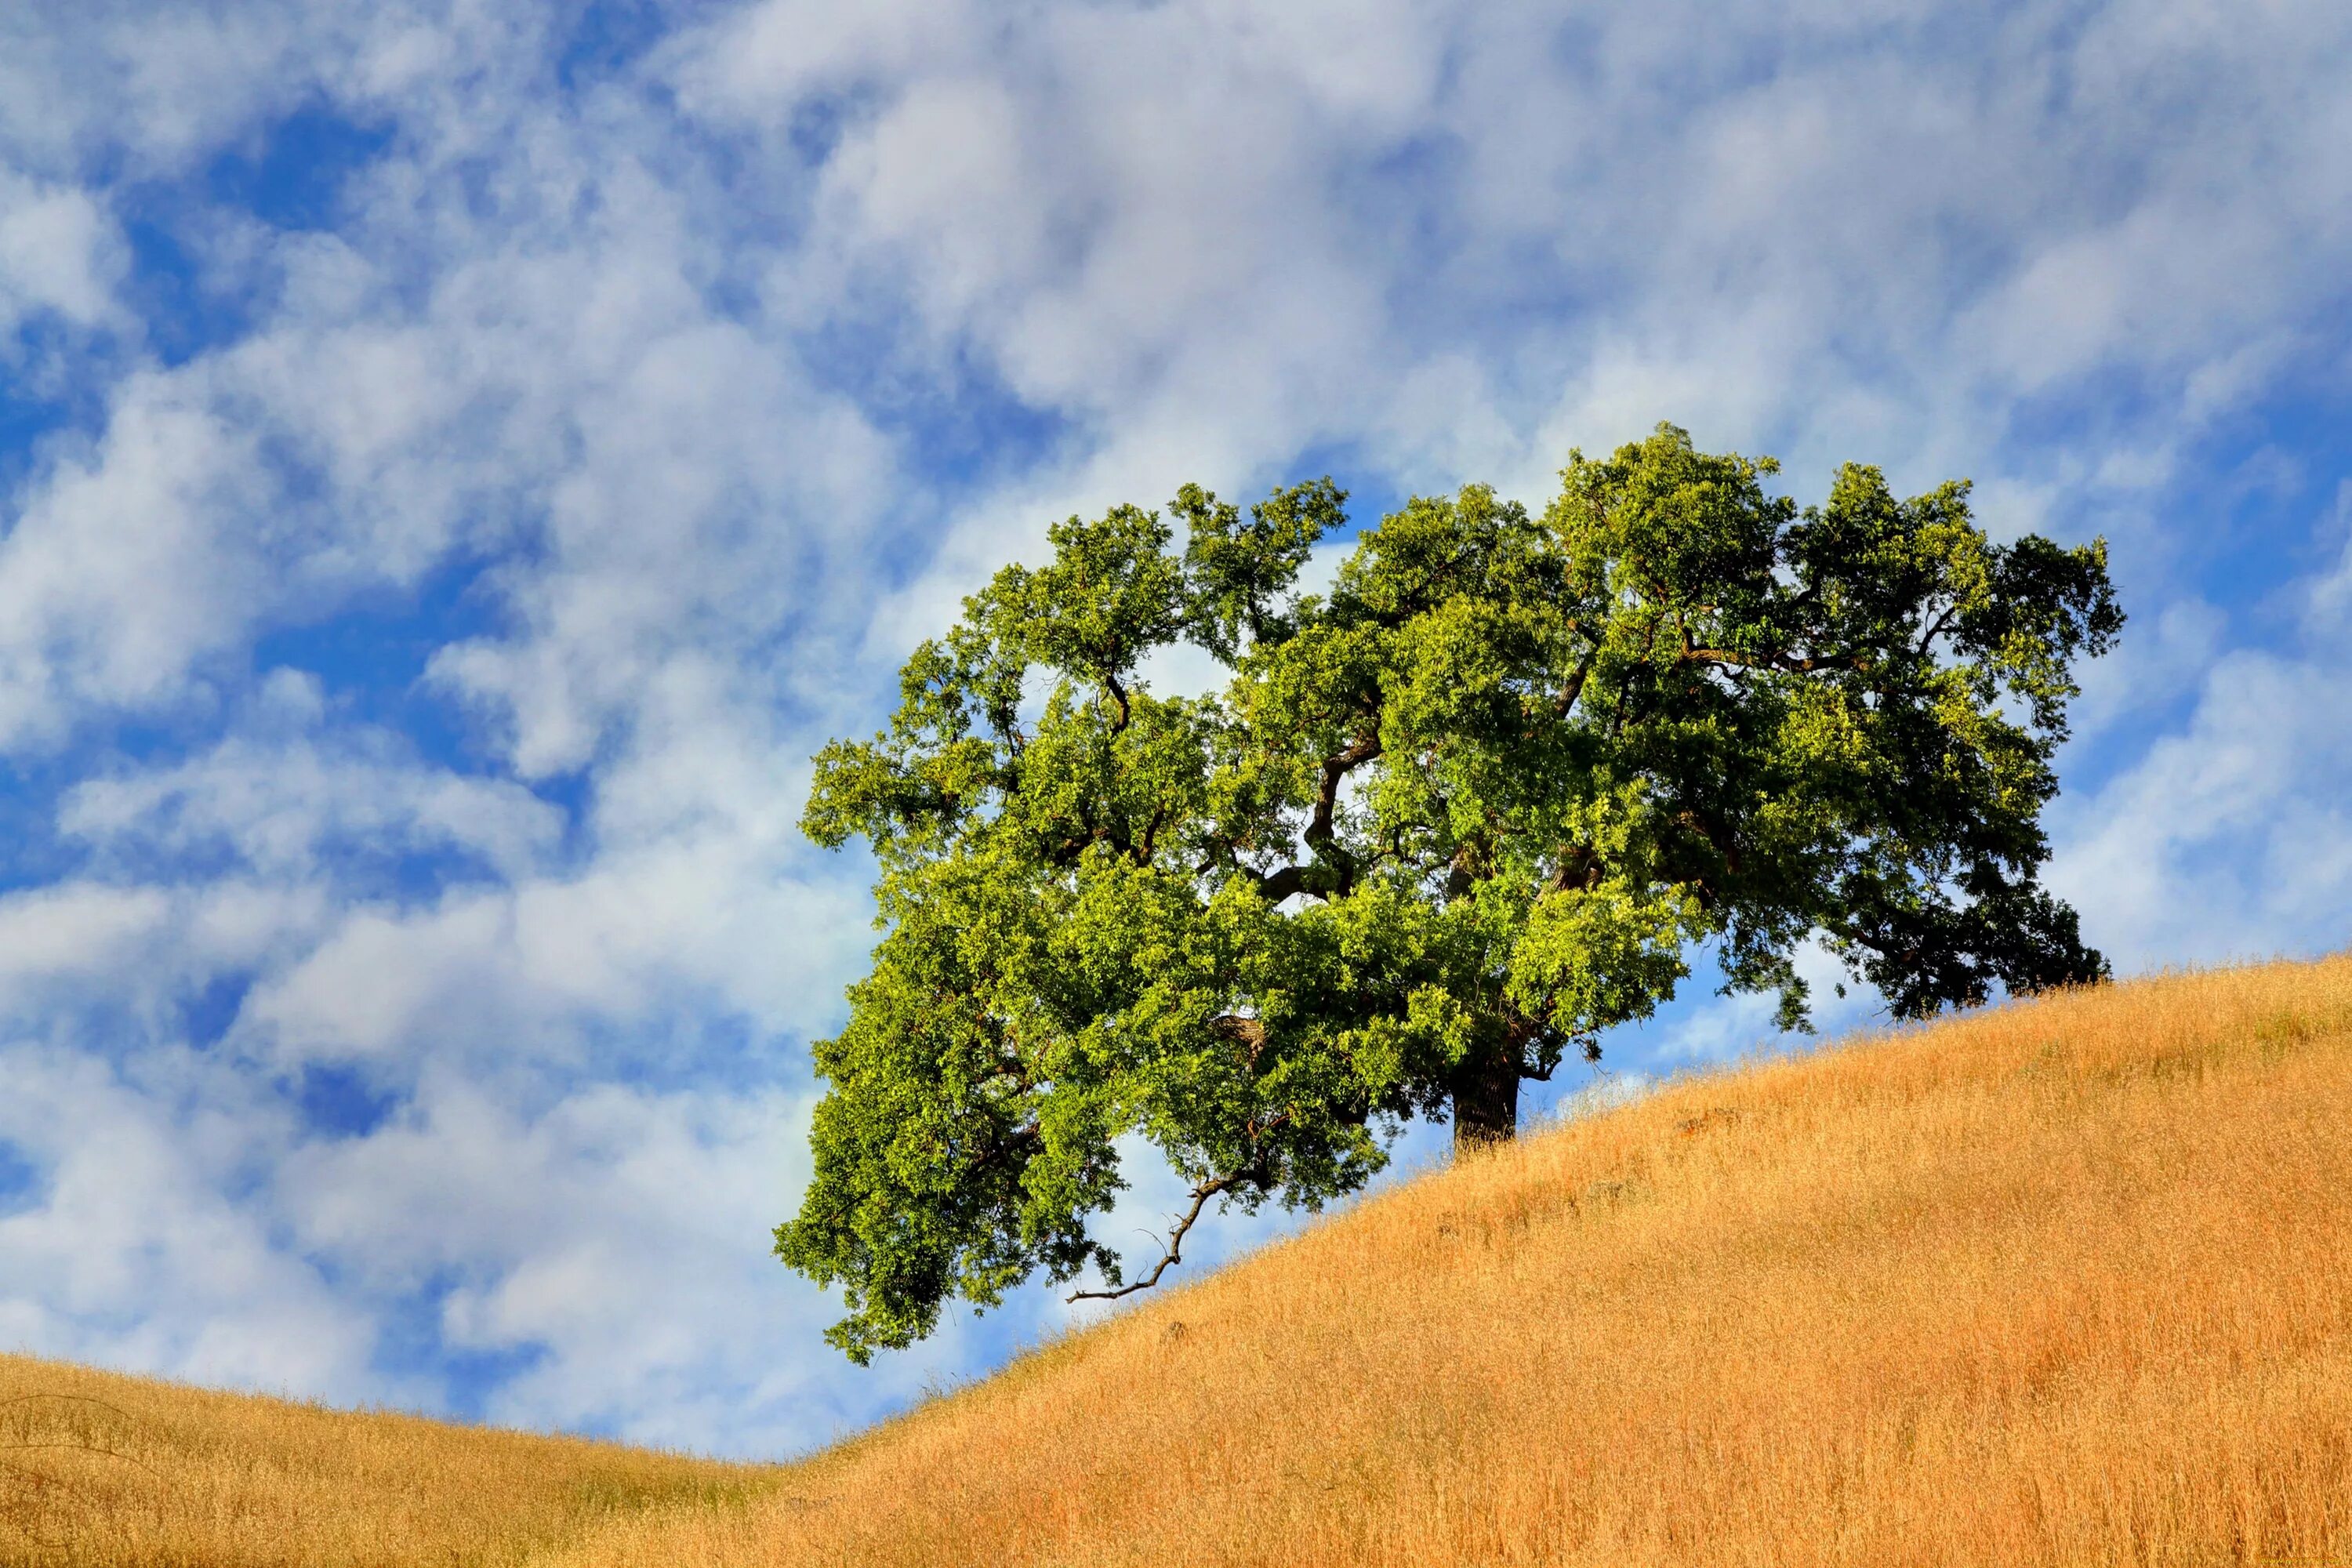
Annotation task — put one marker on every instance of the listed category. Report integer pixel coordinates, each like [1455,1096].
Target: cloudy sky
[459,458]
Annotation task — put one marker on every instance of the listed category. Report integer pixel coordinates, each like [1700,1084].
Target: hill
[108,1471]
[2066,1281]
[2069,1281]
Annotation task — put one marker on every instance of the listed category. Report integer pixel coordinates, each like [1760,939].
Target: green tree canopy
[1439,829]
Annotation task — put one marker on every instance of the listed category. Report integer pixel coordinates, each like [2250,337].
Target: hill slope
[108,1471]
[2064,1282]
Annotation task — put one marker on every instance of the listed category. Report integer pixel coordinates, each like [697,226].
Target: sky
[459,459]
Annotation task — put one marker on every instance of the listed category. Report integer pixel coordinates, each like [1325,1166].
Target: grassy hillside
[2065,1282]
[100,1469]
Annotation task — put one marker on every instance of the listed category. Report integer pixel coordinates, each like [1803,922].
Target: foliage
[1439,830]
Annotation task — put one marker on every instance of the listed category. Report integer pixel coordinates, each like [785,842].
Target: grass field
[100,1469]
[2066,1282]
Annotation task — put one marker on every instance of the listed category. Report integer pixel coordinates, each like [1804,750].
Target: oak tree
[1441,827]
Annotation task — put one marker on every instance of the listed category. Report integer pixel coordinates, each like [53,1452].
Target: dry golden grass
[100,1469]
[2068,1282]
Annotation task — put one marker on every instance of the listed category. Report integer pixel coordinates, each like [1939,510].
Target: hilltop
[2065,1282]
[100,1468]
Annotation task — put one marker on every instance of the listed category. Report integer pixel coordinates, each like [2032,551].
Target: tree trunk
[1485,1103]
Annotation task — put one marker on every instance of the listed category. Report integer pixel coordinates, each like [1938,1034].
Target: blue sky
[458,460]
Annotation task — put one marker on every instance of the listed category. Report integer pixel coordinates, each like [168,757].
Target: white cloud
[1840,233]
[305,810]
[2230,836]
[60,250]
[75,932]
[138,1255]
[2162,659]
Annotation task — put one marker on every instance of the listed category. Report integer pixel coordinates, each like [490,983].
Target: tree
[1439,829]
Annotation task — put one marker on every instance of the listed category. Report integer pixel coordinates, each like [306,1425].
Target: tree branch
[1320,836]
[1565,702]
[1022,1137]
[1727,658]
[1461,870]
[1579,863]
[1927,638]
[1255,1169]
[1336,768]
[1280,885]
[1172,1253]
[1144,850]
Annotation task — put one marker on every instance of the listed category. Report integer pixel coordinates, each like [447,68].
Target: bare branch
[1174,1253]
[1254,1170]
